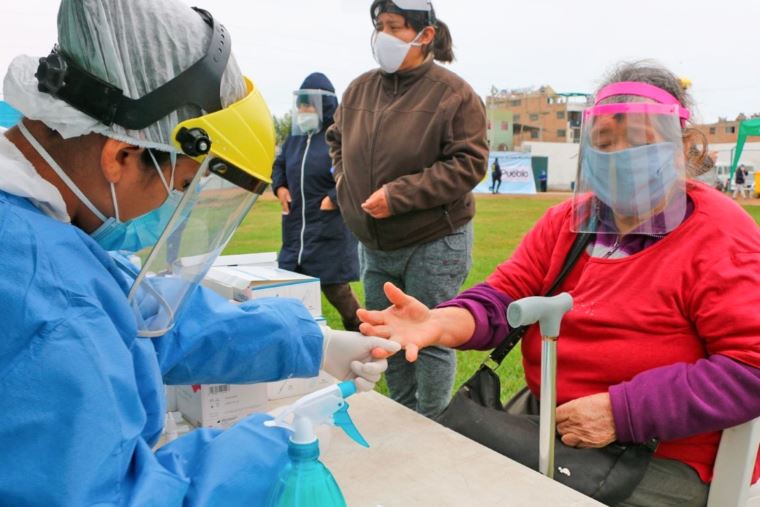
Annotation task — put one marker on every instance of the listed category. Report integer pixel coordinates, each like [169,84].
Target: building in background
[500,129]
[539,115]
[724,130]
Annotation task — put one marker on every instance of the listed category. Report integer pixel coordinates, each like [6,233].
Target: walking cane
[548,312]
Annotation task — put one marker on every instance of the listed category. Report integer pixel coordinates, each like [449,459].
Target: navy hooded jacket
[324,247]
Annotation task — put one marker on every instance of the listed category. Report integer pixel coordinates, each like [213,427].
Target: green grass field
[500,223]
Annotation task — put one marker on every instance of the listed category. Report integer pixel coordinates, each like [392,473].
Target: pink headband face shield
[632,169]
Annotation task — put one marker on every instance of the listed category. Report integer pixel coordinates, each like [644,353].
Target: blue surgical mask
[132,235]
[138,233]
[143,231]
[632,182]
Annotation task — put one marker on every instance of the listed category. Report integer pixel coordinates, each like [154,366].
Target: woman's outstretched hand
[407,322]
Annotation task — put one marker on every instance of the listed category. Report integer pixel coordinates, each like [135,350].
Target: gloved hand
[348,355]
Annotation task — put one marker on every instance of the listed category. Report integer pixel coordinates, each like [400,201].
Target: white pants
[740,188]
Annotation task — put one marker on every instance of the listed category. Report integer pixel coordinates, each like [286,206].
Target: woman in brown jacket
[408,146]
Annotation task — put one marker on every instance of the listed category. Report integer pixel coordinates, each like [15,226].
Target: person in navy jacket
[315,240]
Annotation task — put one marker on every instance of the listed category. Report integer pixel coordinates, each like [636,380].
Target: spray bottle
[305,481]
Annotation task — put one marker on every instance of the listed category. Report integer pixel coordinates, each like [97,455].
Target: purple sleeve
[683,399]
[489,308]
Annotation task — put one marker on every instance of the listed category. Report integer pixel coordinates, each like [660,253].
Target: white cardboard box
[239,278]
[266,259]
[241,283]
[171,398]
[298,386]
[220,405]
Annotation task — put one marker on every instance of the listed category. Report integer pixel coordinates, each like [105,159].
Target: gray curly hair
[650,72]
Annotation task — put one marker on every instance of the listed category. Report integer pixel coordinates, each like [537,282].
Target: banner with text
[516,174]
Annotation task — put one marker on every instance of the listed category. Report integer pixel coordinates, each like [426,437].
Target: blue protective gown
[82,398]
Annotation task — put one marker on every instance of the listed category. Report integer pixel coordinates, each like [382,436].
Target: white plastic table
[414,461]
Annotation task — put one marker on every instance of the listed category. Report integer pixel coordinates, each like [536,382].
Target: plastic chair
[733,467]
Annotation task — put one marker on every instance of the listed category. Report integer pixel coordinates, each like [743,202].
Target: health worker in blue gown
[141,149]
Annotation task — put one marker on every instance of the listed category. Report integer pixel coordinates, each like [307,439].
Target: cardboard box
[298,386]
[241,283]
[240,278]
[171,398]
[220,405]
[266,259]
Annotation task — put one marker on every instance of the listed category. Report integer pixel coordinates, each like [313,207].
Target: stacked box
[241,278]
[220,405]
[241,283]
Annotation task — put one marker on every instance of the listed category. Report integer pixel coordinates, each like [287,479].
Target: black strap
[514,336]
[198,85]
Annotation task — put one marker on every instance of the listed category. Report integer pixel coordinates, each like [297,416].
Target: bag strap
[497,356]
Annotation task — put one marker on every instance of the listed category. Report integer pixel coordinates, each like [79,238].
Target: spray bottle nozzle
[342,420]
[326,406]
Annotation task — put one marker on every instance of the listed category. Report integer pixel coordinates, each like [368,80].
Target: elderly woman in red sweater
[664,337]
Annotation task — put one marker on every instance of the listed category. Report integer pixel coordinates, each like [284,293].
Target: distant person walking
[740,179]
[495,176]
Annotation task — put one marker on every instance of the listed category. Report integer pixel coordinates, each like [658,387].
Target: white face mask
[308,122]
[390,52]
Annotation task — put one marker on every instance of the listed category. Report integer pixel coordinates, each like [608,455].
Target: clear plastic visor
[202,225]
[307,111]
[632,170]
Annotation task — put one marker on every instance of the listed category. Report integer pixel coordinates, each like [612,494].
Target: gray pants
[432,273]
[666,482]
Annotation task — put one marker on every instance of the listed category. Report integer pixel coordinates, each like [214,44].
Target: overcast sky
[505,43]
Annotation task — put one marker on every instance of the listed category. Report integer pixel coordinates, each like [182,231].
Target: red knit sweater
[694,293]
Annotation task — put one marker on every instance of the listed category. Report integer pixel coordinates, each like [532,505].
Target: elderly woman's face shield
[235,148]
[307,111]
[632,170]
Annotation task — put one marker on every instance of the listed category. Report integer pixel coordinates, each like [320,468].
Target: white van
[719,175]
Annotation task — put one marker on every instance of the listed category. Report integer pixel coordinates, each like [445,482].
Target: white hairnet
[137,45]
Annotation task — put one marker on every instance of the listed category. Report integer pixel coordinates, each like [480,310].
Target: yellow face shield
[235,147]
[239,139]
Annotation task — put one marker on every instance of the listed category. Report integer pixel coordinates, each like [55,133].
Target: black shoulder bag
[608,474]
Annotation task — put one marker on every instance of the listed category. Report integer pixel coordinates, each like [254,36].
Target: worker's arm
[75,428]
[215,341]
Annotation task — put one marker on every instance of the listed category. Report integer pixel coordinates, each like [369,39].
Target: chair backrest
[754,496]
[734,465]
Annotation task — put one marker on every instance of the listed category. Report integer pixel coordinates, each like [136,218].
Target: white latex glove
[348,355]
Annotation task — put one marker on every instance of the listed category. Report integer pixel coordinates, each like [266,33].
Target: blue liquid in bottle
[305,481]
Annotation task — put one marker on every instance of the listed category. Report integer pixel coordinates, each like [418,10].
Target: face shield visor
[235,149]
[307,111]
[400,6]
[632,169]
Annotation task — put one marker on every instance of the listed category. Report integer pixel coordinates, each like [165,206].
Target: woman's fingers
[396,295]
[412,351]
[563,427]
[380,353]
[370,317]
[371,330]
[571,440]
